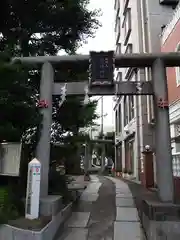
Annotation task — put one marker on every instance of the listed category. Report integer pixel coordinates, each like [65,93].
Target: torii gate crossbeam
[139,60]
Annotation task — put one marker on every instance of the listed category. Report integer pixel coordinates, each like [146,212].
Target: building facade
[170,40]
[138,25]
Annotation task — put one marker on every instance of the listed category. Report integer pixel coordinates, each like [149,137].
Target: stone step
[125,202]
[78,220]
[75,234]
[128,231]
[125,214]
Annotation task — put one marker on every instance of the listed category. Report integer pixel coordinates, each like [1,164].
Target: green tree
[43,27]
[39,27]
[72,116]
[18,107]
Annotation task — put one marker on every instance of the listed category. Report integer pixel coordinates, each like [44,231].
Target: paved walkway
[106,211]
[126,225]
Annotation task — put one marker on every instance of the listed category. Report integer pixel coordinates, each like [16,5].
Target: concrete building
[170,40]
[138,25]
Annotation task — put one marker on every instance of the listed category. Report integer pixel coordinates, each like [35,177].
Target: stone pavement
[127,225]
[105,211]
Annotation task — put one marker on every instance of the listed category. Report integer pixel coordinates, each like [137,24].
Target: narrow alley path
[93,218]
[105,211]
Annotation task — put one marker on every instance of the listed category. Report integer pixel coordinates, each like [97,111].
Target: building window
[118,29]
[117,5]
[118,8]
[119,158]
[131,108]
[119,77]
[126,120]
[116,119]
[178,68]
[119,115]
[129,155]
[118,48]
[129,50]
[126,2]
[127,26]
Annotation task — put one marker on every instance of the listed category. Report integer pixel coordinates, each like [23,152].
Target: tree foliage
[33,28]
[17,104]
[74,115]
[39,27]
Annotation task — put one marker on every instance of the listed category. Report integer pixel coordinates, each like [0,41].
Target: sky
[104,40]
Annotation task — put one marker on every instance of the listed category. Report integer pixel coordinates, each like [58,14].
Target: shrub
[58,185]
[8,209]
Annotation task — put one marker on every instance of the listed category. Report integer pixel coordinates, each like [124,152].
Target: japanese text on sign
[101,68]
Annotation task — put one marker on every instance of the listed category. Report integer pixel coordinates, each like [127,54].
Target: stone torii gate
[103,142]
[157,88]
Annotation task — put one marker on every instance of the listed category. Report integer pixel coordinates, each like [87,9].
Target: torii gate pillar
[162,132]
[43,147]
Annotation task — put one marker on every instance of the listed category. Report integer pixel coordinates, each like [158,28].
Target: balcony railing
[119,77]
[177,130]
[126,2]
[176,164]
[117,5]
[118,49]
[126,25]
[128,71]
[118,29]
[118,8]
